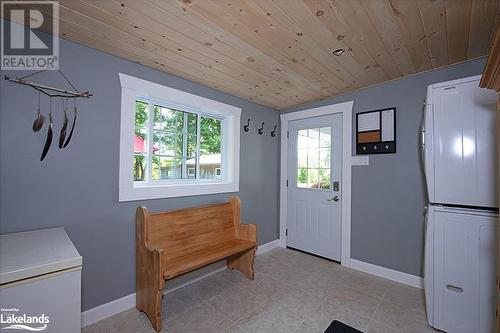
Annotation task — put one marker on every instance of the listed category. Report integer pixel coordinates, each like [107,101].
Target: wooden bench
[172,243]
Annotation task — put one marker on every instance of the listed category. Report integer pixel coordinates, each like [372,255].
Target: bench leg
[149,285]
[151,306]
[243,262]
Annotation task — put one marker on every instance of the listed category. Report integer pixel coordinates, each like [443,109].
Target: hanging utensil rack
[48,90]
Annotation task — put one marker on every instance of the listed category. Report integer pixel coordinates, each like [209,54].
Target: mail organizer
[376,131]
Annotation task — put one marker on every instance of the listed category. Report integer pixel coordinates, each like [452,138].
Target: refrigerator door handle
[426,150]
[422,144]
[423,148]
[422,138]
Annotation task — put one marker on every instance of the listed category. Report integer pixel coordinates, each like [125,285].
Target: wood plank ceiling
[279,53]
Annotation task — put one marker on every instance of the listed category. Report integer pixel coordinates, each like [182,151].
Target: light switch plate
[360,160]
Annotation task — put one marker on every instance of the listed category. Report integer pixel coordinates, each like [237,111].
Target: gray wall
[388,195]
[78,188]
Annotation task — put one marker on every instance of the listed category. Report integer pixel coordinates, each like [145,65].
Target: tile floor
[292,292]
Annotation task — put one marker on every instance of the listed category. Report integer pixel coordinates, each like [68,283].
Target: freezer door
[464,270]
[465,147]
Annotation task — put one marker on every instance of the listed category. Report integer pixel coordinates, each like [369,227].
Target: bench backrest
[189,230]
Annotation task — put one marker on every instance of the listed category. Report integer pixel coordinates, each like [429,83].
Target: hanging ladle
[38,122]
[62,134]
[48,140]
[72,126]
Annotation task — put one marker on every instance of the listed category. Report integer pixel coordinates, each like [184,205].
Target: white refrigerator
[459,146]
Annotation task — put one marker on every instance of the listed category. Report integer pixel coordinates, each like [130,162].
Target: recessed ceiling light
[338,52]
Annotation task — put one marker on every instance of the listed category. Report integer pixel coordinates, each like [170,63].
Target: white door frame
[346,110]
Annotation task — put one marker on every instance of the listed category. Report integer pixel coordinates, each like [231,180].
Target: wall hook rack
[273,133]
[261,129]
[246,128]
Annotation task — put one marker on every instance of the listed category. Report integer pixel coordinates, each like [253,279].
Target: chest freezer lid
[27,254]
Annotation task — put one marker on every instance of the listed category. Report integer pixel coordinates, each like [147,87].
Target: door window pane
[302,139]
[324,179]
[313,138]
[313,178]
[302,177]
[324,158]
[325,137]
[302,157]
[313,158]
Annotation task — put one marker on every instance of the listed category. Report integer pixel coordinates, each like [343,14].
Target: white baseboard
[387,273]
[268,246]
[109,309]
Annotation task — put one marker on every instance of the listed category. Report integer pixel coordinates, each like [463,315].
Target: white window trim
[134,88]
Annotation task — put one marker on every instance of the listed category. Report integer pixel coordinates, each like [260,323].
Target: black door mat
[339,327]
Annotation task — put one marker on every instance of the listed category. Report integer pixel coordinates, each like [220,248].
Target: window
[313,158]
[174,143]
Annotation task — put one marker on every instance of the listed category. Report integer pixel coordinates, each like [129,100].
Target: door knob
[335,198]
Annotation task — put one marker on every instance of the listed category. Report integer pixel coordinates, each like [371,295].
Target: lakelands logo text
[26,322]
[29,35]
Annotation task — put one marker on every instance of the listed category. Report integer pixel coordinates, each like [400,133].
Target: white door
[314,188]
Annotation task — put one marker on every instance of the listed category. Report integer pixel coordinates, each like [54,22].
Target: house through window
[172,144]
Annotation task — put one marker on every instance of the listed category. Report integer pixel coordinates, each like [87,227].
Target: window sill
[174,191]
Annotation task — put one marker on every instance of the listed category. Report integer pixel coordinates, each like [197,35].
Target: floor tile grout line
[224,315]
[234,322]
[263,301]
[376,308]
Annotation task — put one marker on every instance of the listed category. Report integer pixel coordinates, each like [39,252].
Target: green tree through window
[178,150]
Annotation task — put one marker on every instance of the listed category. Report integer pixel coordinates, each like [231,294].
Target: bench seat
[172,243]
[180,265]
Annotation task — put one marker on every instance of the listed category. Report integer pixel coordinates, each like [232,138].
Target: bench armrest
[149,264]
[247,232]
[243,231]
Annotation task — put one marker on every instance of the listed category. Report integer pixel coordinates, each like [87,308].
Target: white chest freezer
[40,282]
